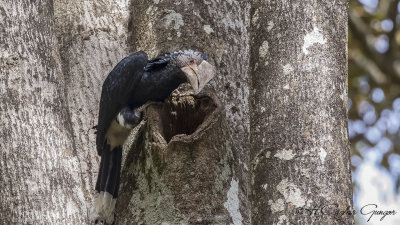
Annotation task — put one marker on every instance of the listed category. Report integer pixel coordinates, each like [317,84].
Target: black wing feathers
[158,62]
[116,90]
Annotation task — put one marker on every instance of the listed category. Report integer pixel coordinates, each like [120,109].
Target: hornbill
[133,82]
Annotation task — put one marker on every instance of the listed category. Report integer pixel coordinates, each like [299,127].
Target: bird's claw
[176,93]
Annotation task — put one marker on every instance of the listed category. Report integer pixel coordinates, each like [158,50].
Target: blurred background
[374,106]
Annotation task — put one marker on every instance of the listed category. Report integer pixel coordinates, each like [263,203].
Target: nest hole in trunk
[185,115]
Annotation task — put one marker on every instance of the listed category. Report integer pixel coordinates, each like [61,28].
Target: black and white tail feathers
[108,179]
[107,186]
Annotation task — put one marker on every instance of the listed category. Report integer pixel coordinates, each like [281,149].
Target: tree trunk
[299,142]
[181,168]
[92,39]
[40,178]
[220,29]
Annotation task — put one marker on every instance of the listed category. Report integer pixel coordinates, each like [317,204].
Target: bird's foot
[176,94]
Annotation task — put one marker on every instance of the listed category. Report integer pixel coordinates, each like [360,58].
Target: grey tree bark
[219,28]
[86,39]
[40,177]
[54,58]
[91,39]
[299,141]
[180,167]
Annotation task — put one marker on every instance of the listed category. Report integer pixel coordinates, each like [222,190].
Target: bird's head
[197,70]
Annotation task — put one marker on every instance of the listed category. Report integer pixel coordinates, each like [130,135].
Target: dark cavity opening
[185,115]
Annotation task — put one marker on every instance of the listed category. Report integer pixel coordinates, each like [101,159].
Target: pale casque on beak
[199,75]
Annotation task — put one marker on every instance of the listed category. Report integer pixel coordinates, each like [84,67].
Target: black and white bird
[133,82]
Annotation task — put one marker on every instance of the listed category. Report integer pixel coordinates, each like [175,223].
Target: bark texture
[299,141]
[39,173]
[92,40]
[219,28]
[181,168]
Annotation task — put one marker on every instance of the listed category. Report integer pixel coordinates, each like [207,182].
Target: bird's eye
[192,61]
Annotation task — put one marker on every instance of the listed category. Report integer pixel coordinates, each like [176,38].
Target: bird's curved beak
[199,76]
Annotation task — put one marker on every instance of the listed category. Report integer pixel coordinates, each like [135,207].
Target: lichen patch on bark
[276,206]
[285,154]
[232,203]
[263,52]
[314,37]
[291,193]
